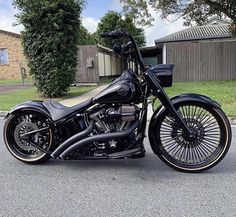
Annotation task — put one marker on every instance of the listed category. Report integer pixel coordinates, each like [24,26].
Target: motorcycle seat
[59,111]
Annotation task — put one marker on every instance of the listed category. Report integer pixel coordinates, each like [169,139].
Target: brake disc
[23,128]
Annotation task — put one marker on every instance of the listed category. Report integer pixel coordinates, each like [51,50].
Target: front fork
[143,116]
[159,92]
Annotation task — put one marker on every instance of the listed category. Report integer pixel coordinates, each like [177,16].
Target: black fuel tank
[122,90]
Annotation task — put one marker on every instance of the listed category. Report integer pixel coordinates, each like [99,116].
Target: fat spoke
[179,147]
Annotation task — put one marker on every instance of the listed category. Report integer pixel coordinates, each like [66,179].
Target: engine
[114,119]
[123,113]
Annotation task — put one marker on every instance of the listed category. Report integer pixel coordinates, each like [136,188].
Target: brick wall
[12,43]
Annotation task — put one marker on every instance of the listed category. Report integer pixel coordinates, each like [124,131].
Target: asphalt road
[144,187]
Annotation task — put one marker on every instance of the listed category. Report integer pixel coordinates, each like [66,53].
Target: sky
[94,10]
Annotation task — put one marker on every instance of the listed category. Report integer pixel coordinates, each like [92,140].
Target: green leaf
[49,40]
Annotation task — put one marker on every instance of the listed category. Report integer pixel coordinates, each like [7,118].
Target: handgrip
[105,35]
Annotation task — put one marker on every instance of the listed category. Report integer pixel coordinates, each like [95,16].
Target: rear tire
[212,142]
[24,122]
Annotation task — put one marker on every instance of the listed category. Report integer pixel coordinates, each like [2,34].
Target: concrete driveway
[144,187]
[15,87]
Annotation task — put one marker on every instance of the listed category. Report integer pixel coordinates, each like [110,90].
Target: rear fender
[30,106]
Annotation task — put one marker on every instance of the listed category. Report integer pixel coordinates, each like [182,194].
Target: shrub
[50,42]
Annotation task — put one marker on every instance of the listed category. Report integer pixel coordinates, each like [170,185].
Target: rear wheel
[208,147]
[23,123]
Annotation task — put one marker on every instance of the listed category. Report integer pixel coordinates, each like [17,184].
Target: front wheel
[25,122]
[212,137]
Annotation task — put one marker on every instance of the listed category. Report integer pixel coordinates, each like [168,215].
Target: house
[96,62]
[12,59]
[151,55]
[201,53]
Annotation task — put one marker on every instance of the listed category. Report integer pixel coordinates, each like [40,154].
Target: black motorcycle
[189,132]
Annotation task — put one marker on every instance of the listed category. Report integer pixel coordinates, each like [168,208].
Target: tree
[197,11]
[85,37]
[113,21]
[50,42]
[138,11]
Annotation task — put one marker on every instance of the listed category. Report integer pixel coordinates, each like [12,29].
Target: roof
[149,51]
[10,33]
[198,33]
[151,48]
[106,49]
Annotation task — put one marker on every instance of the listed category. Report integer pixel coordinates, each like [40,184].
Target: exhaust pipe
[99,138]
[72,140]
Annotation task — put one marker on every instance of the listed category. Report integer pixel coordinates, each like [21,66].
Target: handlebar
[123,33]
[115,34]
[122,49]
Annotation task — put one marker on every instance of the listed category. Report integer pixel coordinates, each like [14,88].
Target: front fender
[197,98]
[30,105]
[192,97]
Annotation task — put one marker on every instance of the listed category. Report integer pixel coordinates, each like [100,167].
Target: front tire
[22,123]
[211,143]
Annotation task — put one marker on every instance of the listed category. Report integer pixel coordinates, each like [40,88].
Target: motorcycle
[189,132]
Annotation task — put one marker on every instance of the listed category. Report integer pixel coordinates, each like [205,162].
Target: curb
[232,121]
[3,114]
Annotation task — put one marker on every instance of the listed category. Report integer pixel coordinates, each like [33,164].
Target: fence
[203,61]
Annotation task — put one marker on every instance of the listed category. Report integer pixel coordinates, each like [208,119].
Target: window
[3,56]
[150,60]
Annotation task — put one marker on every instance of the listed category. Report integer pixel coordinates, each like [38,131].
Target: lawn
[9,100]
[223,92]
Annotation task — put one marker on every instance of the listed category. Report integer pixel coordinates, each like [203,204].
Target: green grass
[223,92]
[10,99]
[28,80]
[106,80]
